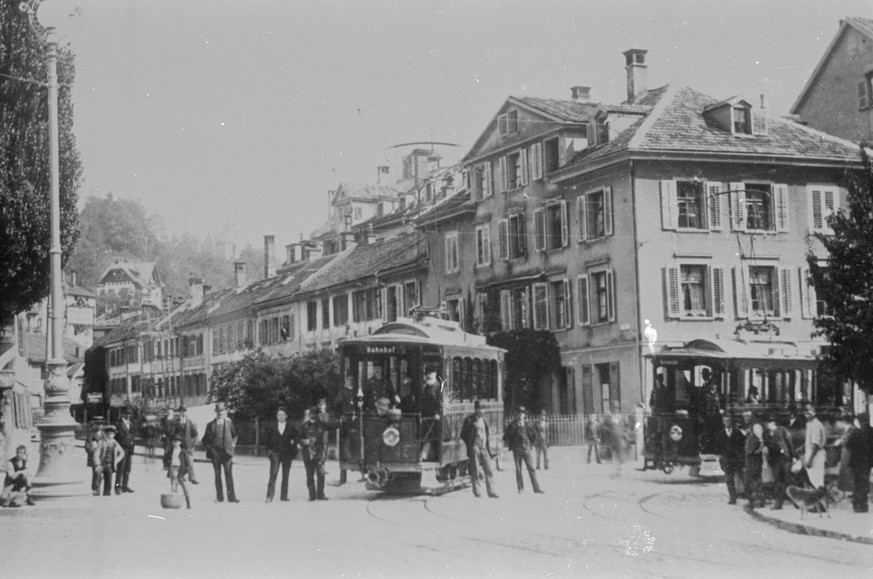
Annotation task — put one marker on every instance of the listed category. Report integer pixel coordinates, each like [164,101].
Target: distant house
[131,285]
[838,97]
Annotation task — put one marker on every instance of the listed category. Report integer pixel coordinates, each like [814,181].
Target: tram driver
[431,406]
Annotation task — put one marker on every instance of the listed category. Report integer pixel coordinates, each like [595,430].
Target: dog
[807,499]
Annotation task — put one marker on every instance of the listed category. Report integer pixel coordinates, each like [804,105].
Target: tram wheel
[667,468]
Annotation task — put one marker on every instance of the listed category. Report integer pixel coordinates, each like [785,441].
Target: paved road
[588,523]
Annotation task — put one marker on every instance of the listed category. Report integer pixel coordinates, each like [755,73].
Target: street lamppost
[57,474]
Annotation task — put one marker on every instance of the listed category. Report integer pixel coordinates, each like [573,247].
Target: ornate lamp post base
[60,474]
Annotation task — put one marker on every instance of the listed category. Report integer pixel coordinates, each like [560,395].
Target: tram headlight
[391,436]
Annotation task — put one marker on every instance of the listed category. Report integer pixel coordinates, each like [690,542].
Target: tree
[256,385]
[531,356]
[844,283]
[25,230]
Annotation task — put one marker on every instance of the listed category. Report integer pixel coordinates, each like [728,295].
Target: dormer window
[507,124]
[737,117]
[741,121]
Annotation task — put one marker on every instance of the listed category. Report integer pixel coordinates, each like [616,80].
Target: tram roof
[428,331]
[741,350]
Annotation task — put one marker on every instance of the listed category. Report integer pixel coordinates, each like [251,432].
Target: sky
[237,117]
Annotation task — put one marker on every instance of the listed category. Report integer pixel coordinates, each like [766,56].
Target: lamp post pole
[57,475]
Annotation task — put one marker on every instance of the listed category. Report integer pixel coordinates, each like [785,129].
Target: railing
[573,429]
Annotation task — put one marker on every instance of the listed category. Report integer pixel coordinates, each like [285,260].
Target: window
[759,207]
[482,183]
[515,308]
[452,265]
[594,214]
[311,316]
[455,310]
[410,295]
[864,93]
[340,310]
[366,305]
[540,306]
[595,297]
[551,157]
[741,121]
[551,227]
[690,205]
[823,202]
[763,290]
[483,245]
[559,305]
[507,124]
[285,331]
[695,290]
[325,312]
[810,304]
[513,168]
[510,237]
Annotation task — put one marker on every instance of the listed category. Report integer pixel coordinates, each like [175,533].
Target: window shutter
[607,210]
[540,230]
[568,313]
[863,97]
[808,297]
[718,305]
[524,168]
[674,299]
[610,295]
[816,213]
[502,241]
[582,307]
[489,186]
[480,247]
[669,208]
[738,206]
[785,293]
[536,161]
[713,204]
[504,177]
[565,224]
[384,300]
[582,216]
[465,179]
[522,235]
[741,291]
[540,306]
[448,254]
[780,197]
[486,242]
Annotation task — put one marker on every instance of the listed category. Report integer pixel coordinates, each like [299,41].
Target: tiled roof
[293,277]
[677,124]
[450,206]
[140,273]
[367,260]
[567,111]
[367,190]
[865,25]
[126,330]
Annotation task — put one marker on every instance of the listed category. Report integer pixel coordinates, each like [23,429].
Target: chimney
[196,286]
[382,171]
[763,106]
[314,252]
[347,239]
[637,74]
[239,273]
[581,93]
[269,256]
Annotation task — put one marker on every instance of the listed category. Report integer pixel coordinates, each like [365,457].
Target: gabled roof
[141,274]
[365,261]
[293,277]
[560,110]
[677,124]
[864,26]
[364,191]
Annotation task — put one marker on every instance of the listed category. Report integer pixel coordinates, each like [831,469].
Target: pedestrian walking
[177,465]
[520,437]
[594,437]
[476,435]
[111,455]
[731,446]
[220,442]
[780,453]
[124,438]
[859,442]
[314,451]
[281,443]
[186,428]
[814,449]
[754,466]
[542,440]
[615,433]
[93,445]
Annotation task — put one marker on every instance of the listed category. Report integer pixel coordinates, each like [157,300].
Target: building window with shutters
[482,185]
[594,214]
[483,245]
[514,175]
[340,310]
[515,308]
[511,237]
[595,297]
[811,305]
[551,225]
[695,290]
[311,316]
[410,295]
[864,92]
[690,205]
[559,304]
[540,295]
[764,291]
[758,207]
[823,202]
[452,263]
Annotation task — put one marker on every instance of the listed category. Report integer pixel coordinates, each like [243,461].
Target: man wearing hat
[281,443]
[124,438]
[859,442]
[186,428]
[521,438]
[476,436]
[431,406]
[314,452]
[777,441]
[220,442]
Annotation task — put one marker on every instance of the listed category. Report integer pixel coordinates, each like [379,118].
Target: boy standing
[111,454]
[176,462]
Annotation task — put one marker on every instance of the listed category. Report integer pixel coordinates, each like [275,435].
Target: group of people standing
[109,450]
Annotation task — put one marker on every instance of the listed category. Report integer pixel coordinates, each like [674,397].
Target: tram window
[477,390]
[492,380]
[457,376]
[468,379]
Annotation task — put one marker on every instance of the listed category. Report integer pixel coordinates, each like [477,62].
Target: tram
[706,378]
[394,445]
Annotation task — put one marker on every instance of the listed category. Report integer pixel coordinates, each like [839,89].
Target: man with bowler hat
[281,442]
[476,436]
[220,442]
[124,438]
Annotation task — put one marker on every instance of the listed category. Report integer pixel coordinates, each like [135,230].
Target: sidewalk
[840,523]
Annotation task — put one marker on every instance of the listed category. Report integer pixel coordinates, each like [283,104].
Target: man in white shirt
[814,448]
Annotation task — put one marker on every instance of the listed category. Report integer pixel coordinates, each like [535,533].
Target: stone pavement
[149,481]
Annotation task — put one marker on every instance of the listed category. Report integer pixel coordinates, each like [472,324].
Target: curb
[802,529]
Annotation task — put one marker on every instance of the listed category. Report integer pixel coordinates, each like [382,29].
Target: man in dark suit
[780,453]
[220,443]
[731,445]
[314,451]
[476,436]
[281,442]
[124,438]
[187,430]
[521,438]
[431,407]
